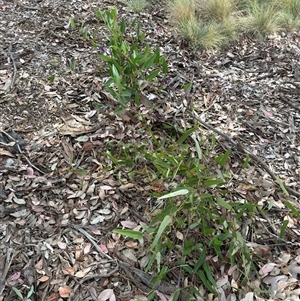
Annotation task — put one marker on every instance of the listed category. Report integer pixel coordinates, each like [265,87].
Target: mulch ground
[59,192]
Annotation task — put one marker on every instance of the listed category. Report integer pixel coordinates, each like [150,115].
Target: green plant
[130,61]
[137,5]
[262,19]
[181,10]
[216,9]
[194,218]
[203,35]
[19,294]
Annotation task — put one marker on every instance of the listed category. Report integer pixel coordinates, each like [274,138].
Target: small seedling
[130,60]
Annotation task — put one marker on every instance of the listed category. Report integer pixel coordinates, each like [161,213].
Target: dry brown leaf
[65,291]
[82,273]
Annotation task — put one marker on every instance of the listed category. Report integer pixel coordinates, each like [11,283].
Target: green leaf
[200,261]
[280,183]
[152,75]
[222,159]
[295,212]
[18,293]
[205,281]
[166,221]
[129,233]
[223,203]
[282,229]
[105,58]
[198,149]
[30,292]
[72,23]
[164,65]
[52,78]
[149,62]
[185,135]
[211,182]
[116,76]
[123,26]
[81,172]
[167,211]
[173,194]
[246,162]
[207,270]
[187,86]
[157,55]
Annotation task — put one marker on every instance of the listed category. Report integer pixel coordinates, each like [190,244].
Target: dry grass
[262,19]
[137,5]
[181,10]
[203,36]
[215,23]
[216,9]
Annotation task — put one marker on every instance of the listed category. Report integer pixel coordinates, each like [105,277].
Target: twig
[14,65]
[239,147]
[94,276]
[91,239]
[6,268]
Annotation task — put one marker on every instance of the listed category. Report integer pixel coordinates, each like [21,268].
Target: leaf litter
[55,174]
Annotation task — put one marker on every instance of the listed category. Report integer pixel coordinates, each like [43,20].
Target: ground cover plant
[199,218]
[213,24]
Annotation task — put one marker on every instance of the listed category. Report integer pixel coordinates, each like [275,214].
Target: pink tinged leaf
[231,270]
[115,205]
[106,187]
[105,295]
[223,280]
[15,276]
[103,248]
[267,268]
[112,298]
[95,230]
[30,173]
[62,245]
[93,292]
[87,248]
[128,224]
[268,114]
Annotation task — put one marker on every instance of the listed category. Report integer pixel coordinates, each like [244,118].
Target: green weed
[193,213]
[137,5]
[130,60]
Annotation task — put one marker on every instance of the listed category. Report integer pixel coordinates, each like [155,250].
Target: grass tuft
[203,35]
[181,10]
[218,10]
[137,5]
[216,23]
[262,19]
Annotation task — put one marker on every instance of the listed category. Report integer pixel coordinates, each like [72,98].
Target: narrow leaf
[185,135]
[280,183]
[246,162]
[129,233]
[152,75]
[224,204]
[211,182]
[282,229]
[166,221]
[222,159]
[173,194]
